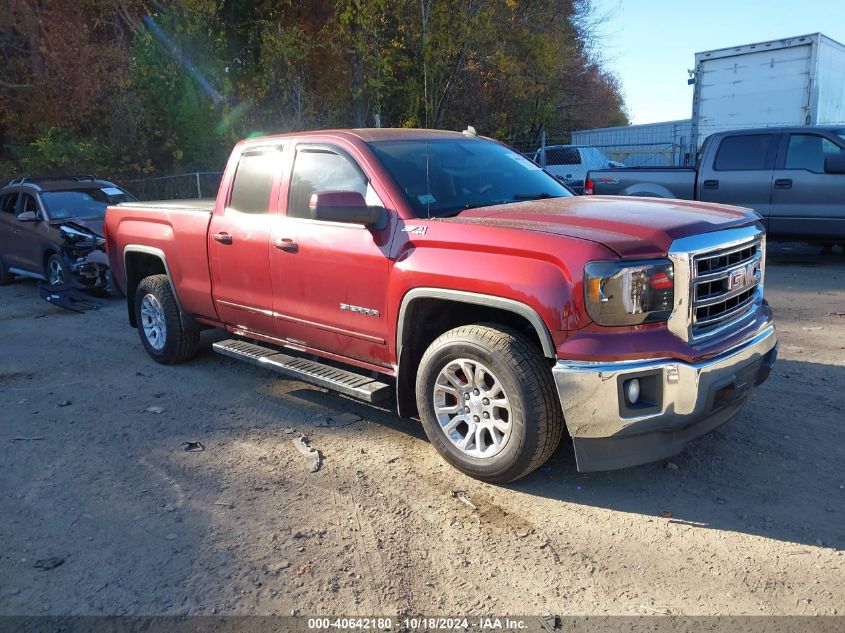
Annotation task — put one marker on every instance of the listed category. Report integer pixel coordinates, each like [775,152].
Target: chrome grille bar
[718,280]
[732,276]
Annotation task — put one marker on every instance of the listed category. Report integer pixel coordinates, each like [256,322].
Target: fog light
[632,390]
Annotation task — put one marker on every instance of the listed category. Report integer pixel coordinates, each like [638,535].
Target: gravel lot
[748,520]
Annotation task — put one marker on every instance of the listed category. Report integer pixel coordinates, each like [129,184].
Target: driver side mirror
[28,216]
[835,164]
[346,206]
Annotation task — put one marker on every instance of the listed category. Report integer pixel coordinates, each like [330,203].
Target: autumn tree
[130,87]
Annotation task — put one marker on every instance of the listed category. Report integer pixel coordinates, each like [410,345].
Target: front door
[30,237]
[239,242]
[331,277]
[806,201]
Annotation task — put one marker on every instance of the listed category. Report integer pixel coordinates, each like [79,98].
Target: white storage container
[793,81]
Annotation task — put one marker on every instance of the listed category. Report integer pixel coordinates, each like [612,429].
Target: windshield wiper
[533,196]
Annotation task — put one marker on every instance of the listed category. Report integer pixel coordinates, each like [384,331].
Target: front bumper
[680,402]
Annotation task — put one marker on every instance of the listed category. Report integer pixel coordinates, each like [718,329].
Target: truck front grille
[724,285]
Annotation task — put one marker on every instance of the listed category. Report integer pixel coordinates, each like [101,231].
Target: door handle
[223,237]
[286,244]
[783,183]
[711,184]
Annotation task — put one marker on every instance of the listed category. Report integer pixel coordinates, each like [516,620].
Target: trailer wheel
[160,325]
[488,402]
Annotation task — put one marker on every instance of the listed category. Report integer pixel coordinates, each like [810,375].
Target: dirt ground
[748,520]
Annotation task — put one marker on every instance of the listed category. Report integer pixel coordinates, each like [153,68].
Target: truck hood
[633,227]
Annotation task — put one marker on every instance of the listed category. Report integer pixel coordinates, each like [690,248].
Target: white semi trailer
[787,82]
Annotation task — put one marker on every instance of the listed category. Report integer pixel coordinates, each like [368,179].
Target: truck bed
[176,231]
[656,182]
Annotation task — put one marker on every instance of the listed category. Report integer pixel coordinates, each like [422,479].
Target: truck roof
[371,134]
[778,129]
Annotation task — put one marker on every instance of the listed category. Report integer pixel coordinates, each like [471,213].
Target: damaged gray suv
[51,229]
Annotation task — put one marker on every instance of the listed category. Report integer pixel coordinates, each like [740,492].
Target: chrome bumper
[681,402]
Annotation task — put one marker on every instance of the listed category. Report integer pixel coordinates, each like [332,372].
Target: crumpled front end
[85,257]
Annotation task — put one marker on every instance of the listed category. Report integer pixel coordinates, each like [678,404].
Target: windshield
[841,134]
[82,203]
[442,177]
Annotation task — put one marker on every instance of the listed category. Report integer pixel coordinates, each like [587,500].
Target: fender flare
[188,323]
[489,301]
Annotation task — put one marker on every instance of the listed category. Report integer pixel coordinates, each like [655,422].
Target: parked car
[51,229]
[570,163]
[794,178]
[452,273]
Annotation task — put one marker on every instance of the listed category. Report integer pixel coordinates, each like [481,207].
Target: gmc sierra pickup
[794,178]
[449,273]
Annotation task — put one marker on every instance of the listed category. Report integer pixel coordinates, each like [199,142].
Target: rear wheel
[488,402]
[5,276]
[56,271]
[160,325]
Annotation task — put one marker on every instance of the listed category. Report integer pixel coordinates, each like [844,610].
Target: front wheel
[56,271]
[159,323]
[488,403]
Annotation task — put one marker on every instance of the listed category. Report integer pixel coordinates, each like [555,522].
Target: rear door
[806,201]
[331,277]
[741,172]
[239,241]
[8,225]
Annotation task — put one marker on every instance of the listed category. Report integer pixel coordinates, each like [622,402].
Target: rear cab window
[255,176]
[563,156]
[745,152]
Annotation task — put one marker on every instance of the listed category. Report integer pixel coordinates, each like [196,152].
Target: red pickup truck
[448,273]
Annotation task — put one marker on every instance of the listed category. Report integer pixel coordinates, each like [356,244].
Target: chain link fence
[199,184]
[630,149]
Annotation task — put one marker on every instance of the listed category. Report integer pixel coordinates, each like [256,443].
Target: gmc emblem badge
[742,277]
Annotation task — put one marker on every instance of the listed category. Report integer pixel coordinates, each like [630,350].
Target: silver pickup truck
[794,178]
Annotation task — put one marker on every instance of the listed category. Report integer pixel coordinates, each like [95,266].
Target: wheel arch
[141,261]
[426,313]
[47,249]
[647,190]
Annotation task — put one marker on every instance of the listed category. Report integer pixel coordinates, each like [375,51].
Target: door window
[29,204]
[747,152]
[9,202]
[254,178]
[317,170]
[808,151]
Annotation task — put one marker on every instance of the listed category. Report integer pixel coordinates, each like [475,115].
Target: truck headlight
[629,292]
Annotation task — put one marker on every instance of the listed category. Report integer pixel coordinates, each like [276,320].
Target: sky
[650,44]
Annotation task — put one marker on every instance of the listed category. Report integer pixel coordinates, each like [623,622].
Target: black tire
[175,345]
[535,415]
[55,261]
[5,276]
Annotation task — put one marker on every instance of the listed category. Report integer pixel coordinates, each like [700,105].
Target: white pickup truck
[570,163]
